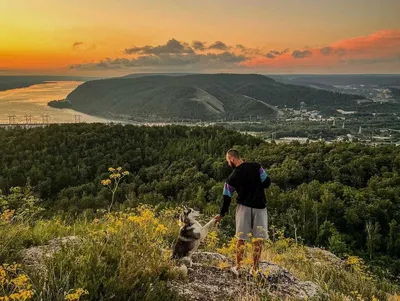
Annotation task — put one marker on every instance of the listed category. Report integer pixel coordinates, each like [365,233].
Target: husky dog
[190,235]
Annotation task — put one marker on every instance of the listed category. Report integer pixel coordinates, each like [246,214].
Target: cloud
[376,60]
[378,50]
[270,55]
[248,51]
[219,45]
[209,61]
[327,51]
[274,53]
[198,45]
[298,54]
[76,45]
[81,46]
[172,46]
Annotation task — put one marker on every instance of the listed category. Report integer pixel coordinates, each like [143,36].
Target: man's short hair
[233,153]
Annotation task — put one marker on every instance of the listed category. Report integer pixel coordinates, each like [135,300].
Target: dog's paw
[187,261]
[183,271]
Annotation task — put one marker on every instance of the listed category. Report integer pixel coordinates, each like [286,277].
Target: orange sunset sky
[108,38]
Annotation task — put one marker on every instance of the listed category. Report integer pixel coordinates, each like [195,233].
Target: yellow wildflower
[212,240]
[3,275]
[223,264]
[110,230]
[353,260]
[76,295]
[161,229]
[106,182]
[21,280]
[7,215]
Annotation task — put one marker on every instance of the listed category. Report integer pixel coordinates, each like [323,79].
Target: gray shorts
[251,221]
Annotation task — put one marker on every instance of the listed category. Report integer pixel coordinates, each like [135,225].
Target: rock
[34,256]
[207,282]
[320,255]
[283,284]
[209,257]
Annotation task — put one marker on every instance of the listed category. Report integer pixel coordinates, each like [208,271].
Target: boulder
[205,281]
[35,256]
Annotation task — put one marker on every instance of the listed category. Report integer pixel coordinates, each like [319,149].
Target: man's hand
[218,218]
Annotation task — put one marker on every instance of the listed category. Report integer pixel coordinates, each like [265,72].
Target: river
[32,101]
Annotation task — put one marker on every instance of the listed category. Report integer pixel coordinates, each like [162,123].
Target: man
[249,181]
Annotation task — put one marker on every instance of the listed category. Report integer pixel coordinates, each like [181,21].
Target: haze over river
[33,101]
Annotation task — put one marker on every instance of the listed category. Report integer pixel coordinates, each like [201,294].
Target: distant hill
[327,81]
[135,75]
[199,96]
[14,82]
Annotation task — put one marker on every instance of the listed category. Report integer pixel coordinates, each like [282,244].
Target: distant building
[346,112]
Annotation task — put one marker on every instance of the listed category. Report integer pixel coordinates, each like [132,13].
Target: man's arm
[227,195]
[265,180]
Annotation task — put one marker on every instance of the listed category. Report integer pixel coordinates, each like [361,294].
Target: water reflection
[32,101]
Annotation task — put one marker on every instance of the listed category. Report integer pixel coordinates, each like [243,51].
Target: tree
[326,230]
[337,245]
[393,246]
[294,220]
[373,237]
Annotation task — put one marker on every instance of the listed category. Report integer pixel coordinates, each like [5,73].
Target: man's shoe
[235,271]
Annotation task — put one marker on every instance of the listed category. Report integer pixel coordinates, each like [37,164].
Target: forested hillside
[344,197]
[200,96]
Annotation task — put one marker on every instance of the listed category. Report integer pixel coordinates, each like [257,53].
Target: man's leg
[260,231]
[243,228]
[239,252]
[257,250]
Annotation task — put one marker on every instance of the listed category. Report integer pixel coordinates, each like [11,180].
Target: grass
[126,256]
[121,256]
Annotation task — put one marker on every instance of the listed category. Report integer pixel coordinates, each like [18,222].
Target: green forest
[344,197]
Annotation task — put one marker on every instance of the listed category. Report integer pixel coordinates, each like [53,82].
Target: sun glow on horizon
[84,38]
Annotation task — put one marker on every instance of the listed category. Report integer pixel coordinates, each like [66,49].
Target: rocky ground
[205,281]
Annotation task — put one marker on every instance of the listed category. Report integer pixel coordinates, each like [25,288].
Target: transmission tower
[45,119]
[11,119]
[28,119]
[77,118]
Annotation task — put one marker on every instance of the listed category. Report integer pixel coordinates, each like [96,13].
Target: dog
[191,234]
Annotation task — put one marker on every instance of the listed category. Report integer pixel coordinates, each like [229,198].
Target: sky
[111,38]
